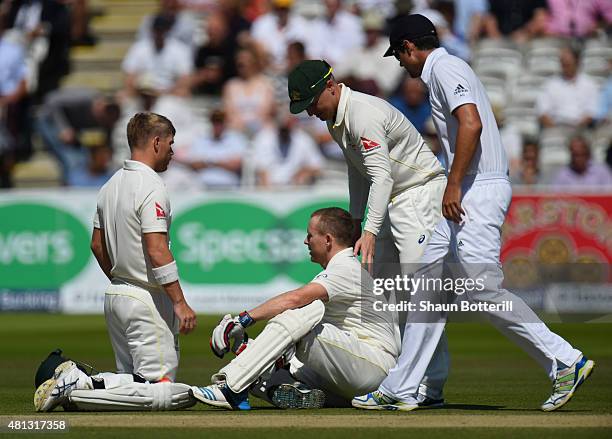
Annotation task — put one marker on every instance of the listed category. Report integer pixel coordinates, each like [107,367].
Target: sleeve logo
[369,145]
[159,211]
[460,90]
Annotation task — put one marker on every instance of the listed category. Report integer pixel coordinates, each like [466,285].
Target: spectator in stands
[451,42]
[468,18]
[296,53]
[277,28]
[605,102]
[167,62]
[413,103]
[44,26]
[386,8]
[248,99]
[217,158]
[581,171]
[65,114]
[234,12]
[337,34]
[285,155]
[578,18]
[98,169]
[214,61]
[518,19]
[570,99]
[183,28]
[528,172]
[80,32]
[365,70]
[13,93]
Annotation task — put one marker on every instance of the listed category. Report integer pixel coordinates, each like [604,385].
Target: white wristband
[166,273]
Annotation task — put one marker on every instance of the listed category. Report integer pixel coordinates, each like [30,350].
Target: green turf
[489,375]
[333,433]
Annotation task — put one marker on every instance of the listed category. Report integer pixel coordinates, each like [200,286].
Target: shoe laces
[63,387]
[381,398]
[564,378]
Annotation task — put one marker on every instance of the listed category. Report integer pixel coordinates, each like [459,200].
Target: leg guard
[134,396]
[281,332]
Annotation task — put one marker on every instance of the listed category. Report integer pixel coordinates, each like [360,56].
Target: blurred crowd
[218,69]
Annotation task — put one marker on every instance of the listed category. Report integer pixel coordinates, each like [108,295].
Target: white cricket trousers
[143,331]
[411,219]
[339,363]
[475,247]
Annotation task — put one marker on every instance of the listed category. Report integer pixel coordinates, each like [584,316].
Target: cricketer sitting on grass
[144,305]
[327,332]
[474,205]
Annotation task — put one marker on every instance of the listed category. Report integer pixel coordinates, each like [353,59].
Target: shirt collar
[345,93]
[429,62]
[341,254]
[135,165]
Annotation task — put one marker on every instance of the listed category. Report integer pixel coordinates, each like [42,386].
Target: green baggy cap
[306,81]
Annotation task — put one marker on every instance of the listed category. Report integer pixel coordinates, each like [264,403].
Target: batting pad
[281,332]
[134,397]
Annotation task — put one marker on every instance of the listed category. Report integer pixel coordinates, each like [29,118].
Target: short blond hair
[143,126]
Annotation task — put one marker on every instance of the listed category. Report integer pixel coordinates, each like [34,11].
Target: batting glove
[229,334]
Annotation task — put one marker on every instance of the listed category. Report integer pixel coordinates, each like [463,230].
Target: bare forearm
[98,248]
[468,135]
[160,255]
[275,306]
[174,291]
[103,262]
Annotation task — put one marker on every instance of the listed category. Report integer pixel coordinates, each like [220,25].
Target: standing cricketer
[144,306]
[474,206]
[391,170]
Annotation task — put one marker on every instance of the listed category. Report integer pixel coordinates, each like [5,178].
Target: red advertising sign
[568,229]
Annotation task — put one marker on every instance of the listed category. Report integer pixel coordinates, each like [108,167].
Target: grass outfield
[493,389]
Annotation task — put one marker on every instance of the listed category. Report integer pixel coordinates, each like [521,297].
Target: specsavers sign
[233,250]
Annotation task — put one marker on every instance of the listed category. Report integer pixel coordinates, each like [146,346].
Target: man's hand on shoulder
[366,246]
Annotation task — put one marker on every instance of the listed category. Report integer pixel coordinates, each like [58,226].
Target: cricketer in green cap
[306,81]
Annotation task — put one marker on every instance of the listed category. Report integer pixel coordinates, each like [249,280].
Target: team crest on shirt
[369,145]
[159,211]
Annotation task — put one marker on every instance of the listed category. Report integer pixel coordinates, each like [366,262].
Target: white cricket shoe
[379,401]
[219,395]
[55,390]
[566,382]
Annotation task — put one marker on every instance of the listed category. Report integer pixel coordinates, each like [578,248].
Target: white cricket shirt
[350,306]
[385,154]
[134,201]
[452,83]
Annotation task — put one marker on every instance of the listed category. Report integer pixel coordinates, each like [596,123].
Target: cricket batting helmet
[46,370]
